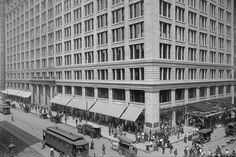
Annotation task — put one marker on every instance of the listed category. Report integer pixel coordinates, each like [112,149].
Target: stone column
[127,96]
[72,90]
[186,96]
[32,93]
[37,94]
[173,117]
[198,94]
[152,111]
[44,96]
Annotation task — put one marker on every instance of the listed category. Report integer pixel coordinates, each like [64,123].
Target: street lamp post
[11,148]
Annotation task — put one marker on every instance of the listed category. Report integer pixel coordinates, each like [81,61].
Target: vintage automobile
[202,136]
[127,146]
[91,130]
[230,129]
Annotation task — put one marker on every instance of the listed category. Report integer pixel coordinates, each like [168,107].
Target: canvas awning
[4,91]
[132,112]
[12,92]
[80,103]
[26,94]
[61,100]
[112,109]
[20,93]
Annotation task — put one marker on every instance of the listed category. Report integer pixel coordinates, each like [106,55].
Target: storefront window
[228,88]
[118,94]
[68,90]
[78,90]
[179,94]
[89,91]
[137,96]
[221,89]
[191,93]
[103,93]
[165,96]
[212,90]
[59,89]
[203,91]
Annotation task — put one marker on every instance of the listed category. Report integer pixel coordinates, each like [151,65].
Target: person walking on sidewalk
[12,118]
[52,152]
[175,152]
[76,121]
[103,149]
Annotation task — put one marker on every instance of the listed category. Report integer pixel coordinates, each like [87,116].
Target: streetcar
[66,142]
[4,108]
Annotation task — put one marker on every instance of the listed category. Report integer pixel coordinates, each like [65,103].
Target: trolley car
[4,108]
[66,142]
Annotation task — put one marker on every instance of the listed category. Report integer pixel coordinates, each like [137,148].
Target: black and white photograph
[117,78]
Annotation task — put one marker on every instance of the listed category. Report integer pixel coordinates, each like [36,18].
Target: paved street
[32,124]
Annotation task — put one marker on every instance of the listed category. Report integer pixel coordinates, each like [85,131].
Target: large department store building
[135,60]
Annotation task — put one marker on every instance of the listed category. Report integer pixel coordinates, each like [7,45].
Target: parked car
[203,136]
[91,130]
[127,146]
[230,129]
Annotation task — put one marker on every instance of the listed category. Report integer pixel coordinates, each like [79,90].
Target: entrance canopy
[11,92]
[61,100]
[26,94]
[80,103]
[132,112]
[113,109]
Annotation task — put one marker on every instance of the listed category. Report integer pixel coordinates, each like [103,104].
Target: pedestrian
[163,149]
[92,145]
[65,119]
[52,152]
[43,144]
[175,152]
[178,135]
[171,148]
[185,138]
[227,153]
[103,149]
[61,154]
[109,129]
[76,121]
[186,151]
[12,118]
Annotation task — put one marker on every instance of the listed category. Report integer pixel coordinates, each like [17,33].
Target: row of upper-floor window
[135,9]
[181,13]
[137,73]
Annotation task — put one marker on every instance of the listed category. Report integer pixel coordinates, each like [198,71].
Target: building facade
[152,57]
[2,45]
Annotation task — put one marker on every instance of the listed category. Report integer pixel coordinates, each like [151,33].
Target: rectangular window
[67,4]
[221,28]
[118,53]
[137,73]
[212,25]
[118,34]
[78,58]
[77,14]
[192,18]
[136,30]
[228,89]
[192,74]
[192,54]
[89,57]
[67,60]
[165,30]
[78,90]
[165,96]
[102,21]
[221,58]
[203,39]
[59,48]
[67,32]
[118,94]
[77,29]
[67,45]
[179,33]
[136,9]
[221,89]
[179,73]
[228,58]
[102,55]
[67,75]
[221,13]
[212,41]
[228,74]
[212,91]
[165,73]
[137,96]
[118,74]
[221,74]
[137,51]
[89,41]
[102,74]
[192,93]
[118,16]
[212,10]
[212,57]
[165,51]
[88,9]
[179,52]
[212,73]
[202,22]
[202,73]
[203,91]
[203,5]
[77,44]
[89,91]
[179,14]
[89,75]
[67,18]
[102,38]
[221,43]
[103,93]
[165,8]
[101,5]
[88,25]
[179,94]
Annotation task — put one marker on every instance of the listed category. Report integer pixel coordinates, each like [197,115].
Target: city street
[34,125]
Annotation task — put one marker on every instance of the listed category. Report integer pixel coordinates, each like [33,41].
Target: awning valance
[80,103]
[12,92]
[61,100]
[113,109]
[20,93]
[132,112]
[26,94]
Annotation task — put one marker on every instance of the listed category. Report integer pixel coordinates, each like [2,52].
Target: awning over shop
[20,93]
[61,100]
[80,103]
[132,112]
[3,91]
[12,92]
[113,109]
[26,94]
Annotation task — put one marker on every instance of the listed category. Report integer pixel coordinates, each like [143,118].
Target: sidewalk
[105,132]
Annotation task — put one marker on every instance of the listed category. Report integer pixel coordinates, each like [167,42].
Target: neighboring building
[2,45]
[154,56]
